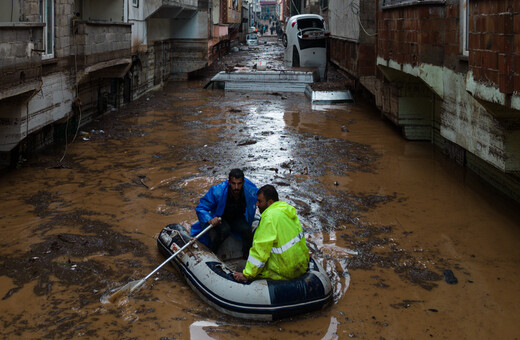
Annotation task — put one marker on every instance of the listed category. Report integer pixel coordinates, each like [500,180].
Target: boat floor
[230,253]
[236,265]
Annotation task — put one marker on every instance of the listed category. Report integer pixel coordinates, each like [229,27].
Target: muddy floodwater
[416,246]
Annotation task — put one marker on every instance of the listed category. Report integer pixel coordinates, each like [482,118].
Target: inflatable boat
[211,277]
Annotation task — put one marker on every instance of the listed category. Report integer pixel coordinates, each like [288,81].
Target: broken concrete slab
[269,81]
[328,97]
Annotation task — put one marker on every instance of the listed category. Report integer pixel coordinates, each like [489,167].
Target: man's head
[236,182]
[266,196]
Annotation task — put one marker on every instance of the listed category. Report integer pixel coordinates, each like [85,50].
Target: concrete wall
[106,10]
[151,6]
[10,11]
[215,17]
[194,28]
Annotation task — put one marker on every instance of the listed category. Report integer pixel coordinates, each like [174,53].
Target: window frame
[48,29]
[464,27]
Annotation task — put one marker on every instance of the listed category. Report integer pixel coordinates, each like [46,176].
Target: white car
[251,39]
[305,42]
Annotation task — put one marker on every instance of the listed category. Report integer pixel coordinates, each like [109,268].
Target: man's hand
[215,221]
[239,277]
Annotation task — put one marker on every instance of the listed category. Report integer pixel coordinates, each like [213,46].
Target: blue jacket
[213,203]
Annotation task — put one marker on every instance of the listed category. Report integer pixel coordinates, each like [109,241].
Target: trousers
[219,233]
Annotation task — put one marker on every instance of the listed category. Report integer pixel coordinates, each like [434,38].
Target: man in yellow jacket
[279,251]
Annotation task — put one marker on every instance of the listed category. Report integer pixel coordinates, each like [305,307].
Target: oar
[132,286]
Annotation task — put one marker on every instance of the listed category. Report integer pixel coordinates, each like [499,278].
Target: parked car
[252,39]
[305,42]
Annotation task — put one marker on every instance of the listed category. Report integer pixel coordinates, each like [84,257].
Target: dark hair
[236,173]
[269,192]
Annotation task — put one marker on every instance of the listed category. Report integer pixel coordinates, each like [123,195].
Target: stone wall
[98,42]
[19,62]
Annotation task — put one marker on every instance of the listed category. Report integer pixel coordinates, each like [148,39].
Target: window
[135,3]
[47,16]
[310,23]
[464,23]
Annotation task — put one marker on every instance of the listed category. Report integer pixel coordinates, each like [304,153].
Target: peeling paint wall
[465,122]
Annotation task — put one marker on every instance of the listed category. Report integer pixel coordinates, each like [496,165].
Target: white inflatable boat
[211,277]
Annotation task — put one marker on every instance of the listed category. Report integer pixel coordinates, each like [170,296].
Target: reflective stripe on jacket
[279,251]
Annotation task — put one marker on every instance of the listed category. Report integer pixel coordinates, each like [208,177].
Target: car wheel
[284,40]
[295,57]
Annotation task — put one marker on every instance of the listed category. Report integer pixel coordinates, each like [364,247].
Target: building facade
[444,71]
[66,61]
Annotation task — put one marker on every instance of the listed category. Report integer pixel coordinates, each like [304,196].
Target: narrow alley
[416,245]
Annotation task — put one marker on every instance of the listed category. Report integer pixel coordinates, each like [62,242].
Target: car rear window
[316,43]
[310,23]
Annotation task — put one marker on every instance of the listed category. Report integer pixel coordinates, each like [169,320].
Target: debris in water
[449,277]
[247,142]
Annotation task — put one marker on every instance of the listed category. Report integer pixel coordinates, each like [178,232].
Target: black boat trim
[245,308]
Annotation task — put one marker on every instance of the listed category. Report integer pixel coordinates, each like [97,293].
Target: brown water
[385,216]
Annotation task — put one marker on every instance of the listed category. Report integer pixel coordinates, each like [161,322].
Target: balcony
[20,60]
[101,49]
[178,9]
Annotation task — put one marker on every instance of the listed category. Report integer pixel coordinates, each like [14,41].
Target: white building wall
[193,28]
[53,102]
[135,15]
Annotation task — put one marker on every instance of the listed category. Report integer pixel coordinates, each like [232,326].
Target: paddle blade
[113,295]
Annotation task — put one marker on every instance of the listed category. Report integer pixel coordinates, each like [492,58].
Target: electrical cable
[354,8]
[77,96]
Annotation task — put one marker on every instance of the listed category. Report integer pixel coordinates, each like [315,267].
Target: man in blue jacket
[229,206]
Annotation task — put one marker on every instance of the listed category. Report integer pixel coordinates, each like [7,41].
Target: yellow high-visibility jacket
[279,251]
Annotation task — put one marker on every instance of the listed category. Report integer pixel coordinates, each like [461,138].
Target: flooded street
[416,246]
